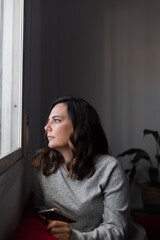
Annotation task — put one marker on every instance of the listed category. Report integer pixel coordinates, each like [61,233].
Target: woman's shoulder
[106,164]
[108,167]
[105,160]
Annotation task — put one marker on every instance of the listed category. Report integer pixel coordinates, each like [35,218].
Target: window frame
[15,155]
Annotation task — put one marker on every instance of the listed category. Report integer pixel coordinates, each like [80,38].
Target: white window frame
[12,67]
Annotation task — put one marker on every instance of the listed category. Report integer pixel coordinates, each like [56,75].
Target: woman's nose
[46,128]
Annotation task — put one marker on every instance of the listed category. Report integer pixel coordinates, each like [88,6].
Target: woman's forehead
[59,109]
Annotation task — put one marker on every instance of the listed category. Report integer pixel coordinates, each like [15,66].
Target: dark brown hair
[87,141]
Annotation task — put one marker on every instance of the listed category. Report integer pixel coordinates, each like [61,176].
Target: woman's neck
[68,156]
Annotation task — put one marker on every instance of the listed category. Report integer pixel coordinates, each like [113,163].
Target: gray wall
[109,53]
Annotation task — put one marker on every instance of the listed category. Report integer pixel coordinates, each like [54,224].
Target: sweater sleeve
[116,215]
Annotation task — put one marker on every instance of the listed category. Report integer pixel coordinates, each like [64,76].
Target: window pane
[11,55]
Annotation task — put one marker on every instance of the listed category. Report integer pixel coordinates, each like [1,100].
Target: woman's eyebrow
[55,116]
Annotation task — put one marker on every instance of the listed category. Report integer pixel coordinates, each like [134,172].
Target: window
[11,62]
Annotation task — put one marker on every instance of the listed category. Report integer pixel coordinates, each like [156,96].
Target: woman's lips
[50,137]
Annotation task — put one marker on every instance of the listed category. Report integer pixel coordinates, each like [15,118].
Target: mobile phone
[54,214]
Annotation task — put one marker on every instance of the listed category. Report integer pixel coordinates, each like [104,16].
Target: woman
[76,174]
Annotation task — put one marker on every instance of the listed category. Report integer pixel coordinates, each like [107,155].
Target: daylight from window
[11,62]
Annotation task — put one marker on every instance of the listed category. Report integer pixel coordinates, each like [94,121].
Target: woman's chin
[50,145]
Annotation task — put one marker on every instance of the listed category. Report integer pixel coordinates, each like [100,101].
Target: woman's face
[59,128]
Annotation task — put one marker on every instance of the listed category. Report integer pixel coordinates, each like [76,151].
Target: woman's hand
[60,230]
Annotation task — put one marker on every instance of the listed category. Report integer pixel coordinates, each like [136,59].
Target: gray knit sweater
[100,204]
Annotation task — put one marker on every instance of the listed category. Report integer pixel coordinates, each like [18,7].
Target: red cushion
[151,225]
[32,229]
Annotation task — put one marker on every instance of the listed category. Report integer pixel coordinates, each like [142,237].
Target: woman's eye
[56,120]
